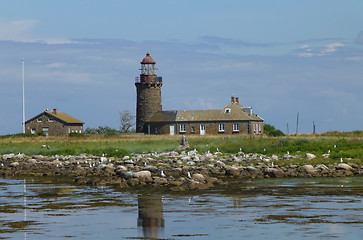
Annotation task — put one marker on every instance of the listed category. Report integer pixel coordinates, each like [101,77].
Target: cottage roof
[232,112]
[58,115]
[64,117]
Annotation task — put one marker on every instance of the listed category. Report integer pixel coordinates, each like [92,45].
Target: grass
[347,145]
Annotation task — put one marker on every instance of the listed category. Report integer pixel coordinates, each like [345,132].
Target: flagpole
[22,68]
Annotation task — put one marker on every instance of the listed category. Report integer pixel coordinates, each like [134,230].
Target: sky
[280,57]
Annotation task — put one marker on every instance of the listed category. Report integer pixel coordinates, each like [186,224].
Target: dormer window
[40,120]
[227,110]
[50,120]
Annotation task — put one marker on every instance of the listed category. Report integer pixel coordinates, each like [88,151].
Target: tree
[272,131]
[126,121]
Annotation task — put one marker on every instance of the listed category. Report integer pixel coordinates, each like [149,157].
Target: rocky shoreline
[178,171]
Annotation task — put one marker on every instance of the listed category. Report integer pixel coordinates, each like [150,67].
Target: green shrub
[270,130]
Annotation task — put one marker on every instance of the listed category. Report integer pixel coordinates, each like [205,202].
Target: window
[45,131]
[221,127]
[156,130]
[33,131]
[193,129]
[182,128]
[235,127]
[50,120]
[228,110]
[40,120]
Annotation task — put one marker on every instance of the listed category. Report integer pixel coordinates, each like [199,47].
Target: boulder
[344,166]
[309,169]
[198,177]
[232,171]
[127,175]
[309,156]
[8,156]
[14,164]
[143,175]
[220,164]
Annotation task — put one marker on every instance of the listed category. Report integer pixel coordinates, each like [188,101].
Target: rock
[142,175]
[8,156]
[125,158]
[274,172]
[209,156]
[190,163]
[220,164]
[127,175]
[309,156]
[232,171]
[32,161]
[14,164]
[160,181]
[121,169]
[309,169]
[326,155]
[251,169]
[198,177]
[344,166]
[274,157]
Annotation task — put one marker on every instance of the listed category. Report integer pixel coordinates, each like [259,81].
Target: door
[172,129]
[202,129]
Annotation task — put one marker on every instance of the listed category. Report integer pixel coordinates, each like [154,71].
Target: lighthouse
[148,89]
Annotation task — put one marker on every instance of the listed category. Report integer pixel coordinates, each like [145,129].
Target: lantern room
[148,65]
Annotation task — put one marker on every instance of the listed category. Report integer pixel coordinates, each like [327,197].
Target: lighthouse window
[182,128]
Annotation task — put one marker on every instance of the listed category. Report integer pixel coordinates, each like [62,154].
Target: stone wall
[148,103]
[55,126]
[211,128]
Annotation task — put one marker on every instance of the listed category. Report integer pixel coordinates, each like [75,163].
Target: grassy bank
[340,146]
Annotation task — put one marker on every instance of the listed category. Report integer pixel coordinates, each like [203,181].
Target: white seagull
[341,160]
[189,176]
[162,174]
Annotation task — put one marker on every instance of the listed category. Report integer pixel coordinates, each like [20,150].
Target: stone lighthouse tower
[148,87]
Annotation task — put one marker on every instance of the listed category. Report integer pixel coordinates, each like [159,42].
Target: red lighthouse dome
[148,59]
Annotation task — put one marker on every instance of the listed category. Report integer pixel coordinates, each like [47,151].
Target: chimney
[232,99]
[237,101]
[55,111]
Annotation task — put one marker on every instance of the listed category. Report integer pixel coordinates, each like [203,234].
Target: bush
[270,130]
[106,130]
[74,134]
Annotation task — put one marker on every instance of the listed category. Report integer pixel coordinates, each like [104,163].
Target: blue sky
[280,57]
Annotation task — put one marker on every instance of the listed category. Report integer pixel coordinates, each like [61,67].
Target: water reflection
[150,217]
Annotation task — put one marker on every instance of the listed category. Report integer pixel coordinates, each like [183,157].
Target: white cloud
[22,31]
[56,65]
[355,59]
[320,51]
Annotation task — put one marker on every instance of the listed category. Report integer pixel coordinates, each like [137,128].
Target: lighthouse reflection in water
[150,217]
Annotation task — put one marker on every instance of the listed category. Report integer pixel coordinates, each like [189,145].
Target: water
[315,208]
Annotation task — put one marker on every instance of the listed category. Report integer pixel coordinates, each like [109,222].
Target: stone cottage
[53,124]
[151,119]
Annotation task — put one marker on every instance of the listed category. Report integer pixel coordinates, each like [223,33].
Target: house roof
[232,112]
[64,117]
[58,115]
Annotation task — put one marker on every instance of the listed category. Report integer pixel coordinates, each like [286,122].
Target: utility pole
[297,123]
[22,68]
[287,127]
[313,127]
